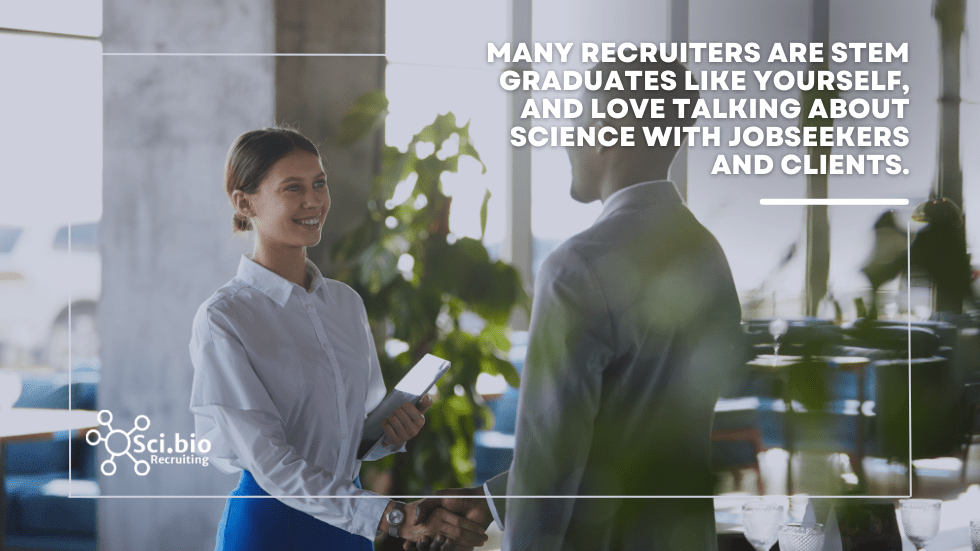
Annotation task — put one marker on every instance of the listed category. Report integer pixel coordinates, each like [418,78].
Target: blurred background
[114,227]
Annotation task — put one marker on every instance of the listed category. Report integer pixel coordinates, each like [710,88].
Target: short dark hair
[670,111]
[253,154]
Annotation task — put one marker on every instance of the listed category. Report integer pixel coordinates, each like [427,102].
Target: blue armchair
[39,513]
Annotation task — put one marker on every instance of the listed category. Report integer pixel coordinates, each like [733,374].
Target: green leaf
[509,372]
[494,335]
[363,117]
[483,214]
[379,266]
[461,459]
[448,281]
[397,166]
[473,250]
[440,130]
[466,148]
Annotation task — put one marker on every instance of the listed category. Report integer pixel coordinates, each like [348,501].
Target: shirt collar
[272,284]
[643,193]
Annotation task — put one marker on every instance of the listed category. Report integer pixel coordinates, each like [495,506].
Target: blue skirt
[267,524]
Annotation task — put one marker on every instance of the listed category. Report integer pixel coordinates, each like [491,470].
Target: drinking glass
[761,522]
[796,536]
[975,534]
[920,518]
[777,328]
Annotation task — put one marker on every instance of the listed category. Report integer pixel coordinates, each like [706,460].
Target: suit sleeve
[569,345]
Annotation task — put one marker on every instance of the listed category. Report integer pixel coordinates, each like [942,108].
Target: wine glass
[761,522]
[796,536]
[920,518]
[975,534]
[777,328]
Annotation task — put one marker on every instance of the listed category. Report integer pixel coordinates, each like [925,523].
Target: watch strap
[392,526]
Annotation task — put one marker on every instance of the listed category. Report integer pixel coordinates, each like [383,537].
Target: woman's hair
[253,154]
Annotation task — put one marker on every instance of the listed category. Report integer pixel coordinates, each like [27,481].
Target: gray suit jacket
[633,331]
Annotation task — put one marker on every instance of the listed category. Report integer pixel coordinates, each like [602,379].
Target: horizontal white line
[835,202]
[406,498]
[176,54]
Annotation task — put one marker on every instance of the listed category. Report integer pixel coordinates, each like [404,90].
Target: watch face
[396,516]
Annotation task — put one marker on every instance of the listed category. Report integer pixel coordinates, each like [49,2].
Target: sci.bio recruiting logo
[119,442]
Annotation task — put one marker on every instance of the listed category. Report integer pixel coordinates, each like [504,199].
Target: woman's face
[291,202]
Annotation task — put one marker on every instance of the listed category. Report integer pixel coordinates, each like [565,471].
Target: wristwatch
[395,518]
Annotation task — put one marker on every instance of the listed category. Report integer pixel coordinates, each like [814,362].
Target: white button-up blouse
[283,380]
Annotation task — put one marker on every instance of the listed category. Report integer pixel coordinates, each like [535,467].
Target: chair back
[936,425]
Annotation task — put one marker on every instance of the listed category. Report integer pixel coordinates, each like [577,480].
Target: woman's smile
[313,222]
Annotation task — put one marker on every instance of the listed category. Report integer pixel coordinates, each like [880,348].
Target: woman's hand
[405,423]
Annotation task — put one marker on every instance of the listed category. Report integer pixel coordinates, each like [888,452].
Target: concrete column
[817,216]
[166,238]
[313,93]
[678,13]
[518,245]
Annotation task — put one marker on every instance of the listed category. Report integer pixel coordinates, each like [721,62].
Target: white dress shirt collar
[272,284]
[642,193]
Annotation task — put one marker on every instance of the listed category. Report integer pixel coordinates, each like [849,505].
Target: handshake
[455,521]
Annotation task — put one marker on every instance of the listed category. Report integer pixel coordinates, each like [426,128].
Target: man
[632,335]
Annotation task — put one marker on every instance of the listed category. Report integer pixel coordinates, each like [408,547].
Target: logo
[119,442]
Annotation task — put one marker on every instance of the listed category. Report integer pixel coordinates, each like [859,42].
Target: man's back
[632,335]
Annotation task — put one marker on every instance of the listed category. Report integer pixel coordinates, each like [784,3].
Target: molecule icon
[117,443]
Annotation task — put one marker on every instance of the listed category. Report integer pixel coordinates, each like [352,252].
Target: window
[51,175]
[437,63]
[8,238]
[66,17]
[84,238]
[555,216]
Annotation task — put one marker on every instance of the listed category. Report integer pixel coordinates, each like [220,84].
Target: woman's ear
[242,204]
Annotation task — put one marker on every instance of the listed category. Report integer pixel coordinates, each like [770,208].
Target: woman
[285,371]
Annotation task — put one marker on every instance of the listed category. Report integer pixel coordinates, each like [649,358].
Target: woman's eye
[320,183]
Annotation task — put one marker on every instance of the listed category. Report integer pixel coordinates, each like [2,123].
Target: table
[858,365]
[948,540]
[25,424]
[954,531]
[780,366]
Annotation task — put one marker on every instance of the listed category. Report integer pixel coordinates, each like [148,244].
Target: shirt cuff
[367,516]
[382,450]
[493,509]
[399,449]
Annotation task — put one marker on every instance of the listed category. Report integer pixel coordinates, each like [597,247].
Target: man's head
[597,171]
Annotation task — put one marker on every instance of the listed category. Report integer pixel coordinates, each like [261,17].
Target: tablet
[413,386]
